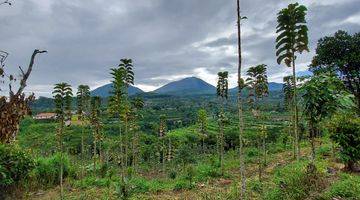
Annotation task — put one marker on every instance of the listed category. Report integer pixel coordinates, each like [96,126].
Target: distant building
[45,116]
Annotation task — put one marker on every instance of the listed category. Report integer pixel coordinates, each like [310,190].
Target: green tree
[83,104]
[321,97]
[340,54]
[62,97]
[292,39]
[203,125]
[345,130]
[222,93]
[96,124]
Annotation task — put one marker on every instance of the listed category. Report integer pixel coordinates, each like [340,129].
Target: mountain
[104,91]
[273,86]
[191,85]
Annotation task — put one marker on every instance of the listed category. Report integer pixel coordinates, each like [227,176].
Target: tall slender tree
[62,98]
[162,133]
[203,123]
[96,125]
[137,105]
[288,90]
[83,104]
[241,85]
[292,39]
[222,92]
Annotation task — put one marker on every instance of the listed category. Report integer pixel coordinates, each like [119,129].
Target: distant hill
[272,87]
[191,85]
[104,91]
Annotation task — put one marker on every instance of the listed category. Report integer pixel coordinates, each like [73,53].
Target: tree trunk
[61,160]
[259,160]
[82,151]
[240,111]
[94,156]
[296,118]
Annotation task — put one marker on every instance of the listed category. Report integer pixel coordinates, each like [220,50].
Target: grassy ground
[283,179]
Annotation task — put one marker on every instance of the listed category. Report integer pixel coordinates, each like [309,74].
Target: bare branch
[6,2]
[27,74]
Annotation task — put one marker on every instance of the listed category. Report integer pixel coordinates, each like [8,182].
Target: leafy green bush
[182,185]
[139,185]
[294,182]
[346,132]
[47,170]
[348,187]
[172,174]
[205,172]
[91,181]
[15,165]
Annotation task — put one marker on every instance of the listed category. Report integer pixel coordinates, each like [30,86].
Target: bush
[15,165]
[92,181]
[172,174]
[47,170]
[182,185]
[295,182]
[207,171]
[346,132]
[348,187]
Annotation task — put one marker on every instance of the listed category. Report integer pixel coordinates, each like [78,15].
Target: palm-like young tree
[203,123]
[83,103]
[258,85]
[292,39]
[288,90]
[123,76]
[162,133]
[222,92]
[137,105]
[62,97]
[96,124]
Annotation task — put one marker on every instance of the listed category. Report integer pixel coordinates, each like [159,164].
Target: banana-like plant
[292,39]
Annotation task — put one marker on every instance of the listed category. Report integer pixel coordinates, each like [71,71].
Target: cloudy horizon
[167,40]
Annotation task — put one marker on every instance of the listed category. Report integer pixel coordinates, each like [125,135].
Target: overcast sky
[167,39]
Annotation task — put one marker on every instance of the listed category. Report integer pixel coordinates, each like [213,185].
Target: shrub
[182,185]
[15,165]
[172,174]
[295,182]
[348,187]
[346,132]
[207,171]
[47,170]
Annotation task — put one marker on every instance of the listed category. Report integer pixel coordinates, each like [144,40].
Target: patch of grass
[348,187]
[294,182]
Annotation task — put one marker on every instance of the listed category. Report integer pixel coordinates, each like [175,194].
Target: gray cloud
[166,39]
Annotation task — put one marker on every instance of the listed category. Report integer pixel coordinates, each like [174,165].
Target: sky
[167,39]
